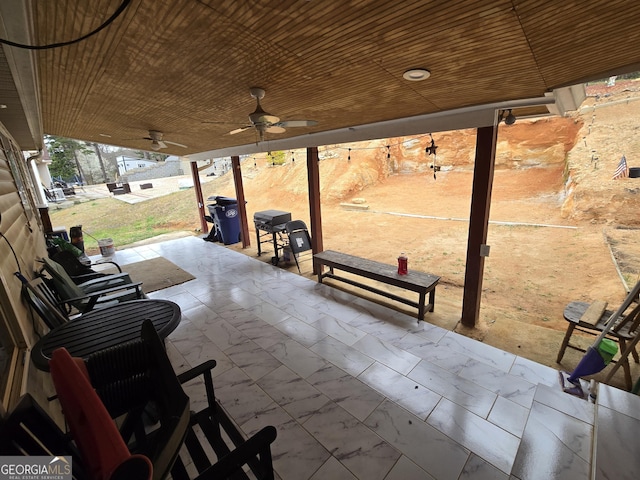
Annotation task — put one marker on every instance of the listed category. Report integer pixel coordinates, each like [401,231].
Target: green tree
[278,158]
[64,156]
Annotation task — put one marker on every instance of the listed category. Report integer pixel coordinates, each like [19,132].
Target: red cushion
[93,430]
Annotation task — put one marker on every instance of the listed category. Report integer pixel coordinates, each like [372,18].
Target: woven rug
[155,274]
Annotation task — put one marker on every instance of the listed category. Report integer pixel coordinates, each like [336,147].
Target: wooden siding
[21,227]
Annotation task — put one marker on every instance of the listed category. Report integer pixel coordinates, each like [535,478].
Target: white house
[126,164]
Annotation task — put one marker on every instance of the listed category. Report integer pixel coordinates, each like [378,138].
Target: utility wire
[12,251]
[116,14]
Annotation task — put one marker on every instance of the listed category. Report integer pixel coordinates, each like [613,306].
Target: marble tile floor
[360,391]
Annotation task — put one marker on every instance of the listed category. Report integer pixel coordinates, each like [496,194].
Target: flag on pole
[621,170]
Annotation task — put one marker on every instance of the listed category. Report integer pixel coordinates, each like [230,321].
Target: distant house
[129,163]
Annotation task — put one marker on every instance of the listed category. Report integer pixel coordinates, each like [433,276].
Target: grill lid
[272,217]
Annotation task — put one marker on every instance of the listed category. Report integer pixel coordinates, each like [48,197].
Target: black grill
[271,221]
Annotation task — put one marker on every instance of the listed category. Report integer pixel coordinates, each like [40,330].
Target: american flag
[621,170]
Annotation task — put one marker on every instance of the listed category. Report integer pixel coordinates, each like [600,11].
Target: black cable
[123,5]
[12,251]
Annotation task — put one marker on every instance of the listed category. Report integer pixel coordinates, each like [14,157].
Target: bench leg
[565,342]
[421,306]
[318,268]
[432,299]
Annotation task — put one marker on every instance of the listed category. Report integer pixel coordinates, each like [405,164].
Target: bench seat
[419,282]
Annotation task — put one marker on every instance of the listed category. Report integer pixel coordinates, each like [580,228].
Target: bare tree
[104,172]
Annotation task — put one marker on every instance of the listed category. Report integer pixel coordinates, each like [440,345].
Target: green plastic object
[607,349]
[64,245]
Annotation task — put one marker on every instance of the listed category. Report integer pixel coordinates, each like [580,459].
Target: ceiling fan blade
[297,123]
[275,129]
[162,144]
[176,144]
[241,129]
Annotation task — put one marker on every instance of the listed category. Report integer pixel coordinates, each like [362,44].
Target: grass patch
[129,223]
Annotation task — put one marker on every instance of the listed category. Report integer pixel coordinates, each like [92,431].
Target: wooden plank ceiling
[184,67]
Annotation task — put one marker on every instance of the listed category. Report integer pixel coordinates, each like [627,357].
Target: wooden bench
[419,282]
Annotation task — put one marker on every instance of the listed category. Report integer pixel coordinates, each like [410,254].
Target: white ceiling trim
[16,24]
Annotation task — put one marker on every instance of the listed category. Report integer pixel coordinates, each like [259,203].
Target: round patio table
[106,327]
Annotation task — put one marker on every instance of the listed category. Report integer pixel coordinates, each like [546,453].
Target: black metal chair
[299,239]
[54,311]
[136,383]
[97,293]
[41,299]
[78,271]
[100,442]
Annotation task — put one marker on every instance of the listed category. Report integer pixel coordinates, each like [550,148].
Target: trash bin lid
[220,200]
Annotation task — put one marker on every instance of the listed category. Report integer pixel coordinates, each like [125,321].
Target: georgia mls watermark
[35,468]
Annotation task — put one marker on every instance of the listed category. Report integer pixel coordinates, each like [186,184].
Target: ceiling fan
[157,143]
[265,122]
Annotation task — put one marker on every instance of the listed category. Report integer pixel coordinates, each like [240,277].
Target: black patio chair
[136,384]
[54,311]
[97,293]
[41,299]
[299,239]
[78,271]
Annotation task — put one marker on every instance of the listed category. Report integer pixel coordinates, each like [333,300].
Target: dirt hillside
[558,218]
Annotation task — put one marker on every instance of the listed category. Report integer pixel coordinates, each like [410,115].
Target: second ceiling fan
[265,122]
[157,142]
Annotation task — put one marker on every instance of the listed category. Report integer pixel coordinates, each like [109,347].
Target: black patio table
[106,327]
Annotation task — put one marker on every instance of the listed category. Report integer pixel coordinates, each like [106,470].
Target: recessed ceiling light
[416,74]
[2,105]
[105,135]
